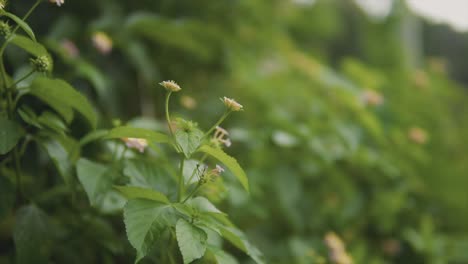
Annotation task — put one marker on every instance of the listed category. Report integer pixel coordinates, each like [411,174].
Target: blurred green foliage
[341,131]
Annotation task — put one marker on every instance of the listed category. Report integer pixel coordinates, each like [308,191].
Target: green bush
[349,152]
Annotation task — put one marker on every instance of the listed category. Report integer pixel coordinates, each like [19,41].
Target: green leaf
[229,161]
[201,204]
[191,240]
[145,221]
[62,98]
[93,136]
[238,239]
[189,140]
[53,122]
[60,157]
[10,134]
[97,181]
[148,174]
[222,257]
[28,116]
[133,192]
[32,235]
[30,46]
[134,132]
[23,25]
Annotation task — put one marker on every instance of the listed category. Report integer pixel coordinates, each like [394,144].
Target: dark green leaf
[60,156]
[10,134]
[97,181]
[62,97]
[23,25]
[191,240]
[53,122]
[32,235]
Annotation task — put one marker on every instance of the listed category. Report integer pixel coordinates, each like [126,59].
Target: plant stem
[168,118]
[11,109]
[195,170]
[19,192]
[221,119]
[21,79]
[192,193]
[181,178]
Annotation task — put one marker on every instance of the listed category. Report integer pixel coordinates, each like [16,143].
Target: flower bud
[170,86]
[5,29]
[231,104]
[41,64]
[57,2]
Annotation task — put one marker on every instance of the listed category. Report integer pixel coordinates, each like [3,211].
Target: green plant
[167,217]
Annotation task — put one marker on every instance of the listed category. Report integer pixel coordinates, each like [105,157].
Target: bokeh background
[355,125]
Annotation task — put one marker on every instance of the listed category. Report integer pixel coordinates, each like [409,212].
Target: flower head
[57,2]
[188,102]
[231,104]
[5,29]
[418,135]
[41,64]
[102,42]
[372,97]
[170,86]
[136,143]
[336,249]
[217,170]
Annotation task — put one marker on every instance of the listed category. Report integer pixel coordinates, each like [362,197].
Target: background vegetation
[349,127]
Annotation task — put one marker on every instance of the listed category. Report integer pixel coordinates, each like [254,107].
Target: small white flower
[102,42]
[217,170]
[170,86]
[137,143]
[221,135]
[231,104]
[57,2]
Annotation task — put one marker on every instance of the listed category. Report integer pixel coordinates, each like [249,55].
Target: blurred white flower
[102,42]
[221,135]
[57,2]
[170,86]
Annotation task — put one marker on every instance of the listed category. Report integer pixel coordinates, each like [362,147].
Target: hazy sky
[453,12]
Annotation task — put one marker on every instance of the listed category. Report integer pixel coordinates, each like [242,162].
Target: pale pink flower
[136,143]
[70,48]
[372,97]
[418,135]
